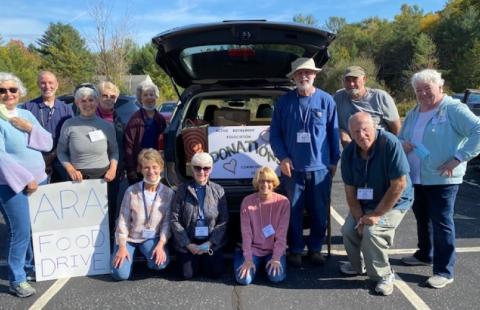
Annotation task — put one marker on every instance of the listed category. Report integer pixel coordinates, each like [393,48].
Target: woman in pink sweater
[264,218]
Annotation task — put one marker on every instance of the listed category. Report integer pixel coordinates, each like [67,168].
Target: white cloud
[24,29]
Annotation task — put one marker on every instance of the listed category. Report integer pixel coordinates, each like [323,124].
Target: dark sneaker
[317,258]
[385,286]
[24,289]
[347,269]
[31,276]
[295,259]
[413,261]
[438,281]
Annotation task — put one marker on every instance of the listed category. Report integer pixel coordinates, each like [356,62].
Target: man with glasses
[304,137]
[51,113]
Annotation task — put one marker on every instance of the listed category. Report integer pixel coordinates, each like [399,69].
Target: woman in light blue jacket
[439,136]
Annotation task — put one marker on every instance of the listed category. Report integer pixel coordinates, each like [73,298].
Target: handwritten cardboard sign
[238,151]
[70,229]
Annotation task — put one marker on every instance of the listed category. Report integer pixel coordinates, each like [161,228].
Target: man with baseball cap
[355,97]
[304,136]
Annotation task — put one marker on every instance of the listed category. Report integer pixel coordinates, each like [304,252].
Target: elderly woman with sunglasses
[87,146]
[144,220]
[108,95]
[264,218]
[199,222]
[22,169]
[439,136]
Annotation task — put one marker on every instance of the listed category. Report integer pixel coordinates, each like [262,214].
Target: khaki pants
[374,243]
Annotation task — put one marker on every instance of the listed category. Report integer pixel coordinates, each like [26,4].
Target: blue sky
[27,20]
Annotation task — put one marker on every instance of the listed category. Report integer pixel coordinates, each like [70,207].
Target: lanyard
[366,172]
[260,211]
[50,114]
[307,113]
[201,213]
[148,216]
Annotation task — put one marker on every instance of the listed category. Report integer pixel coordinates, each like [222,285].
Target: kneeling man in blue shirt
[379,192]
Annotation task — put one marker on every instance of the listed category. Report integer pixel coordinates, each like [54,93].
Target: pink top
[255,215]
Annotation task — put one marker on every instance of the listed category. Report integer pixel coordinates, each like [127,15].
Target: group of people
[386,167]
[44,141]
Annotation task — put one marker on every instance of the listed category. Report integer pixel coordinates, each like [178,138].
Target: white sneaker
[437,281]
[385,286]
[347,269]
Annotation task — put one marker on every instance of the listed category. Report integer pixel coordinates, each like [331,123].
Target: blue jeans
[310,190]
[146,247]
[433,208]
[260,262]
[15,210]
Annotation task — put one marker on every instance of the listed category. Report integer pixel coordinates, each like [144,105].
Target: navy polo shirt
[386,161]
[50,118]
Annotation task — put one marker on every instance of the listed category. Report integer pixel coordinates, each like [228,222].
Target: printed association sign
[70,229]
[238,151]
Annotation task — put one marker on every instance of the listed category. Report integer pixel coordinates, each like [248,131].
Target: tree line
[390,52]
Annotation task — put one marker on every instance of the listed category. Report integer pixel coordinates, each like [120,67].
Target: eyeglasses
[205,169]
[265,181]
[12,90]
[105,96]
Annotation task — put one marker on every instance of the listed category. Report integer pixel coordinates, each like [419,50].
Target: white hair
[146,85]
[202,159]
[427,76]
[84,91]
[7,76]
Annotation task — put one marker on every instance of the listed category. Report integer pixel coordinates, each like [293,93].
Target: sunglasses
[113,97]
[12,90]
[205,169]
[265,181]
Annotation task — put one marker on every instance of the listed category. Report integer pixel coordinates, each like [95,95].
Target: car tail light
[243,52]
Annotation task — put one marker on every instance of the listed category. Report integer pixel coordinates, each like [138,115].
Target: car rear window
[245,61]
[234,110]
[474,98]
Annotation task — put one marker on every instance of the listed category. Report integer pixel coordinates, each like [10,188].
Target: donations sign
[70,229]
[238,151]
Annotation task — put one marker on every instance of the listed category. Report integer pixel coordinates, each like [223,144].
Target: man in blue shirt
[304,137]
[379,192]
[51,113]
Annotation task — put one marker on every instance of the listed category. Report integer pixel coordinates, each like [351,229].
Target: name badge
[303,137]
[201,231]
[268,231]
[365,193]
[148,233]
[96,135]
[421,151]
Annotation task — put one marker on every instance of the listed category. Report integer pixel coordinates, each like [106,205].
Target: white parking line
[410,294]
[52,290]
[403,287]
[471,183]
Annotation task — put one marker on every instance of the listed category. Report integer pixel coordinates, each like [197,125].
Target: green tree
[335,24]
[424,56]
[305,19]
[143,62]
[16,58]
[395,56]
[457,33]
[64,52]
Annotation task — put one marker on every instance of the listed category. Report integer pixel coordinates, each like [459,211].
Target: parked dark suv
[232,74]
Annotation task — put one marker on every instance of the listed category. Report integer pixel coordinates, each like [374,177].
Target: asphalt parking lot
[309,287]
